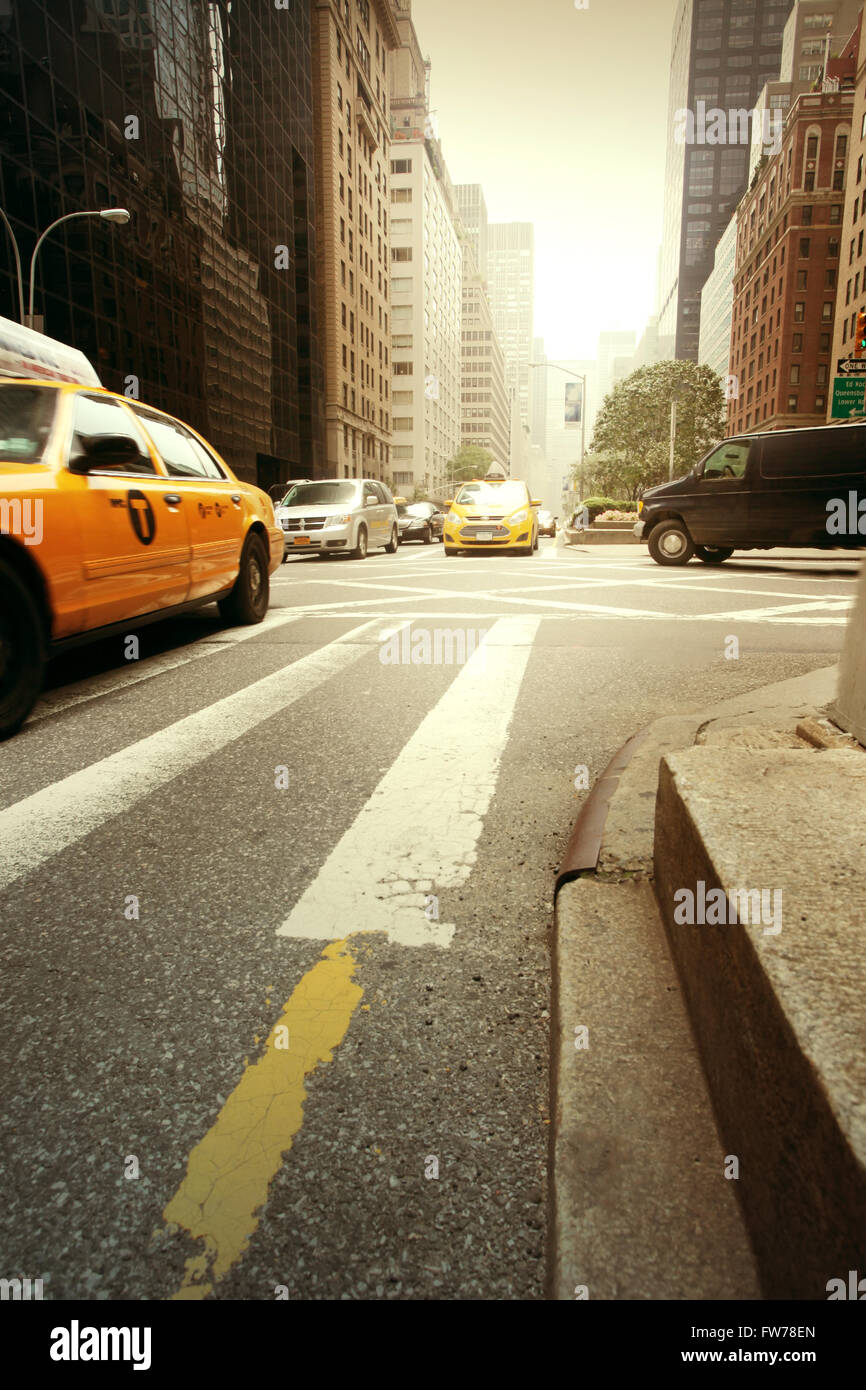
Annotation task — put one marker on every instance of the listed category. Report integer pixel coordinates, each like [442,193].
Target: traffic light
[860,340]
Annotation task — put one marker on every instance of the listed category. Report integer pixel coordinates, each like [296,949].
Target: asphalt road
[276,906]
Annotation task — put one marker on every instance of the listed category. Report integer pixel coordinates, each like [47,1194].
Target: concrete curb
[613,1182]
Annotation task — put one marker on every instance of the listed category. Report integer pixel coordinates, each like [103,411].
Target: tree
[631,441]
[470,461]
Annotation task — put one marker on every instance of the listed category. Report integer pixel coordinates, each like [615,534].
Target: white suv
[330,515]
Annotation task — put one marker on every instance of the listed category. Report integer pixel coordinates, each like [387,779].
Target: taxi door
[135,550]
[213,502]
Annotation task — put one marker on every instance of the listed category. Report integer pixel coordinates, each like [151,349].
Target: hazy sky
[560,114]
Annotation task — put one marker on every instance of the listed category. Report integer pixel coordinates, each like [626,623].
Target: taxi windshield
[503,496]
[320,494]
[26,415]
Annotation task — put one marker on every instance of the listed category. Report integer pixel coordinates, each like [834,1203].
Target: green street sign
[849,394]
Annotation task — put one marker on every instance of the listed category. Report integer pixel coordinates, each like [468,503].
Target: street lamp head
[115,214]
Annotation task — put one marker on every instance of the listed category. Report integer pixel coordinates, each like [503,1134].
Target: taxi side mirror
[370,500]
[105,451]
[535,502]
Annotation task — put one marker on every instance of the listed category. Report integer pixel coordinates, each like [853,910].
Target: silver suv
[352,515]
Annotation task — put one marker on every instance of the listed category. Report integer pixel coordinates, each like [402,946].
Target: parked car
[789,488]
[339,515]
[546,523]
[492,513]
[113,515]
[419,521]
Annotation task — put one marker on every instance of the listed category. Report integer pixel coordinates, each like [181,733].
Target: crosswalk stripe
[39,827]
[417,834]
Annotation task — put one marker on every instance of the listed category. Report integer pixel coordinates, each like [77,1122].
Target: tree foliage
[470,461]
[631,439]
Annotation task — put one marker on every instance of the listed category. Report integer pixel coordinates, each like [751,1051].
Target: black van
[787,488]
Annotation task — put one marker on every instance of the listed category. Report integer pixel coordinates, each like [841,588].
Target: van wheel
[360,551]
[22,651]
[713,554]
[670,543]
[249,599]
[391,547]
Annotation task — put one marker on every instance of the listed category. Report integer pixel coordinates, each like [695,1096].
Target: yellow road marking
[229,1172]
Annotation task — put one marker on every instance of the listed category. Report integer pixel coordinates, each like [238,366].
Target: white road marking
[54,701]
[418,833]
[39,827]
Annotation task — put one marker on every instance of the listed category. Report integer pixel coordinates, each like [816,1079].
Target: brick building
[789,228]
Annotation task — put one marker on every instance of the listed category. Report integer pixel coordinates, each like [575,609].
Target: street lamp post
[576,376]
[7,224]
[119,215]
[676,395]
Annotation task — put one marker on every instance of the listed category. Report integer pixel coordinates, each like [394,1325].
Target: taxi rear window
[26,417]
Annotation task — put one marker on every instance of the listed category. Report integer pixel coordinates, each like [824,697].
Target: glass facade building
[198,118]
[723,52]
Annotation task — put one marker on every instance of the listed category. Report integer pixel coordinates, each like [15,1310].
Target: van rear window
[814,453]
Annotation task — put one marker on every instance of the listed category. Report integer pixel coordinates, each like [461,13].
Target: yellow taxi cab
[492,513]
[111,513]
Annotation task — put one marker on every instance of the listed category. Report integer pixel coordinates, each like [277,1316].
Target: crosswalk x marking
[39,827]
[418,833]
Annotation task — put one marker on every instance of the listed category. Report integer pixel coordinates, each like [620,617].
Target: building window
[794,377]
[401,253]
[797,343]
[835,213]
[838,179]
[792,405]
[799,311]
[401,166]
[829,279]
[801,279]
[806,219]
[826,312]
[809,181]
[821,374]
[820,403]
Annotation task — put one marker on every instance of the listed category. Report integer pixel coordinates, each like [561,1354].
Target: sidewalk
[710,1074]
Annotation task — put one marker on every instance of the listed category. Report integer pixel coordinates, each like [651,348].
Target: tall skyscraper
[351,43]
[197,117]
[473,214]
[426,282]
[485,411]
[723,52]
[511,274]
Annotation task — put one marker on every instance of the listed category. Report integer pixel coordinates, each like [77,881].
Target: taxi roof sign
[24,352]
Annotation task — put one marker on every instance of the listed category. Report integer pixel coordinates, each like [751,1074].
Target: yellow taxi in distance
[111,514]
[492,513]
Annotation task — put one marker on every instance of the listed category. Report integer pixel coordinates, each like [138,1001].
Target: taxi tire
[360,551]
[450,549]
[248,603]
[19,693]
[391,547]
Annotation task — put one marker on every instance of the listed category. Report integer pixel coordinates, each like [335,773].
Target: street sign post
[849,395]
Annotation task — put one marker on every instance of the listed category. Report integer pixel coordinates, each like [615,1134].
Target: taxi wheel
[450,549]
[22,651]
[248,601]
[391,547]
[360,551]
